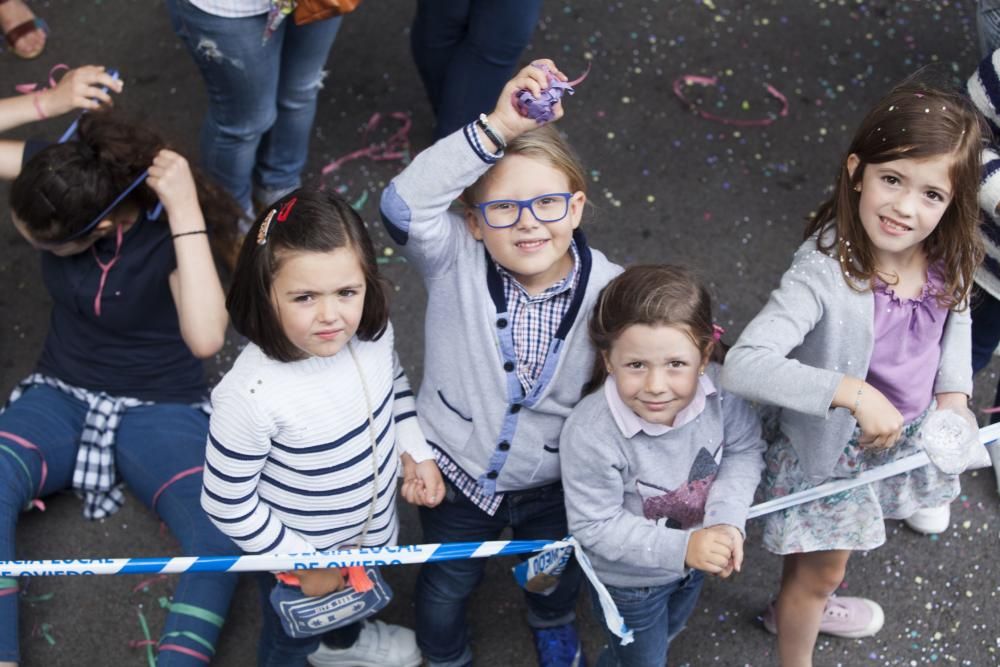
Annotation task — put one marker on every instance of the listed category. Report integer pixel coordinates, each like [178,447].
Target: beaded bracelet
[857,400]
[493,135]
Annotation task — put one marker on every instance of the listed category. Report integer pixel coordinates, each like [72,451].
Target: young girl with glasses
[118,394]
[310,424]
[659,464]
[511,281]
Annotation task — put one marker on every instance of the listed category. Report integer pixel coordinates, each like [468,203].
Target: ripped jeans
[261,97]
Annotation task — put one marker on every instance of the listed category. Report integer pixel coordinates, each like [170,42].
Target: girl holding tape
[308,426]
[659,465]
[119,392]
[868,331]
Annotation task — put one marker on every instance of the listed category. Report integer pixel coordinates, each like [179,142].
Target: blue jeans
[465,51]
[655,615]
[261,97]
[988,25]
[985,333]
[153,444]
[443,588]
[277,649]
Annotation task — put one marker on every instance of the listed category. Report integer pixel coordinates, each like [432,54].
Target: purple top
[908,345]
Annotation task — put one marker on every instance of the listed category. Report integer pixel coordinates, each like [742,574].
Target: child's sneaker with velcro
[379,645]
[849,617]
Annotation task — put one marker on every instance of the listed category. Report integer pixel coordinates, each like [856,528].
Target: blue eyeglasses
[503,213]
[70,133]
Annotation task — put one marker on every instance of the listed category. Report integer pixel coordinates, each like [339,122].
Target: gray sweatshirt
[814,330]
[633,502]
[471,404]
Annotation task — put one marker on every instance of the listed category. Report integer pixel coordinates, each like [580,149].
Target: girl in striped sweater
[308,427]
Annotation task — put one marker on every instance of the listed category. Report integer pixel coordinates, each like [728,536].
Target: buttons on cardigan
[514,409]
[492,474]
[508,366]
[502,323]
[503,446]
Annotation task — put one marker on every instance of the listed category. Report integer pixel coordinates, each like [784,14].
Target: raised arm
[195,284]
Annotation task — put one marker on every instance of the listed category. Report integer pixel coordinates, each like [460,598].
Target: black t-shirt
[135,347]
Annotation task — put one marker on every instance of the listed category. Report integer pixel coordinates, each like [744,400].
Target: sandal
[23,29]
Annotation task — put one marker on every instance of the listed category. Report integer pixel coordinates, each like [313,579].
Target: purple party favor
[541,108]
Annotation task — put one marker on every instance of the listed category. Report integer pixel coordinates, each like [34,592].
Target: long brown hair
[914,121]
[652,294]
[65,186]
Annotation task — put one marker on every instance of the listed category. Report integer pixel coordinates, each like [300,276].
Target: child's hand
[709,551]
[171,179]
[320,581]
[432,482]
[422,482]
[881,423]
[505,117]
[81,88]
[735,538]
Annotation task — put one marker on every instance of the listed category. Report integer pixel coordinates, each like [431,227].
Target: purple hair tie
[540,108]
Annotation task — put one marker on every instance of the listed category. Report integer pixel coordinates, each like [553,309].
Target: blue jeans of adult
[985,333]
[988,26]
[465,51]
[261,97]
[153,445]
[444,588]
[655,615]
[277,649]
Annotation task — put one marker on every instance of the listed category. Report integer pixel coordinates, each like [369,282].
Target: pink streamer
[26,88]
[186,651]
[396,147]
[695,80]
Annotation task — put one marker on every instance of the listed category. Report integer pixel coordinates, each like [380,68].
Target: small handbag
[305,616]
[307,11]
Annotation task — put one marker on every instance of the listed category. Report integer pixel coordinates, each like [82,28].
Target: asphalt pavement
[666,185]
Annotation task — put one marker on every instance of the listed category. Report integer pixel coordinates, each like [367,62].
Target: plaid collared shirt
[535,319]
[94,475]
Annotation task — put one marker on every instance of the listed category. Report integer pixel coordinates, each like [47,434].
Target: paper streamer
[694,80]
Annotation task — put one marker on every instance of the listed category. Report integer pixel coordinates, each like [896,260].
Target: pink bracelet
[36,98]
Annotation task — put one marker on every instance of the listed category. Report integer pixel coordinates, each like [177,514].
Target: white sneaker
[930,520]
[378,645]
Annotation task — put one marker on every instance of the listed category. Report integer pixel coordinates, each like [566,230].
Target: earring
[701,372]
[857,188]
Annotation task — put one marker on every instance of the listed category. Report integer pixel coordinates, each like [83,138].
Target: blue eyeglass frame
[89,227]
[524,204]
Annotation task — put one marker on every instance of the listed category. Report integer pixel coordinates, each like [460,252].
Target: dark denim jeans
[988,25]
[985,333]
[655,615]
[465,51]
[152,445]
[443,588]
[261,96]
[277,649]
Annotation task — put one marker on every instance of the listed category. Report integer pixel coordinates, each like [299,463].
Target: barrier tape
[407,554]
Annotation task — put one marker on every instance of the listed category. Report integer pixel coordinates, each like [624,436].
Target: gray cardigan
[633,502]
[814,330]
[471,404]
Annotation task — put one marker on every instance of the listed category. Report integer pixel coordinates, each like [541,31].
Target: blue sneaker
[558,646]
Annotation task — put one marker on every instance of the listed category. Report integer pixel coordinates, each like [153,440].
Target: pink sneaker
[848,617]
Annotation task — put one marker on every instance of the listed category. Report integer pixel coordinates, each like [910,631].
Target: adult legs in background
[160,451]
[51,421]
[466,50]
[252,92]
[284,148]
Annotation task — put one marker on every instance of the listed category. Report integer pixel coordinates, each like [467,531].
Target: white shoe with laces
[930,520]
[379,645]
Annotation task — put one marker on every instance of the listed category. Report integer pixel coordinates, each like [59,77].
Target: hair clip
[286,209]
[717,332]
[265,227]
